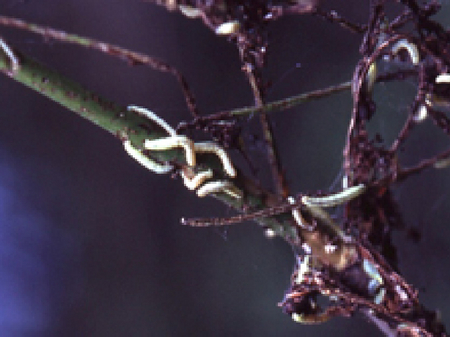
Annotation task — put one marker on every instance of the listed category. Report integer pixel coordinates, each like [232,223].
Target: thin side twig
[131,57]
[272,154]
[280,105]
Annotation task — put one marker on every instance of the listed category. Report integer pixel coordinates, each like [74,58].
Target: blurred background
[90,242]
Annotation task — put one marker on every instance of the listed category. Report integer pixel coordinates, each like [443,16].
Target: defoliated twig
[280,105]
[272,153]
[132,57]
[290,102]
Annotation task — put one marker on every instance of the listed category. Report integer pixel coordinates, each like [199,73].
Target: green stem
[108,115]
[116,120]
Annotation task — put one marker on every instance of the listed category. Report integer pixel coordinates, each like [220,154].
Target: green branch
[69,94]
[116,120]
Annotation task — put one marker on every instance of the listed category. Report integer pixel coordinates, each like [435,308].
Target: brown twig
[131,57]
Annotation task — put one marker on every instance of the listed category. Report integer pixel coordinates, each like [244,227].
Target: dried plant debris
[352,263]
